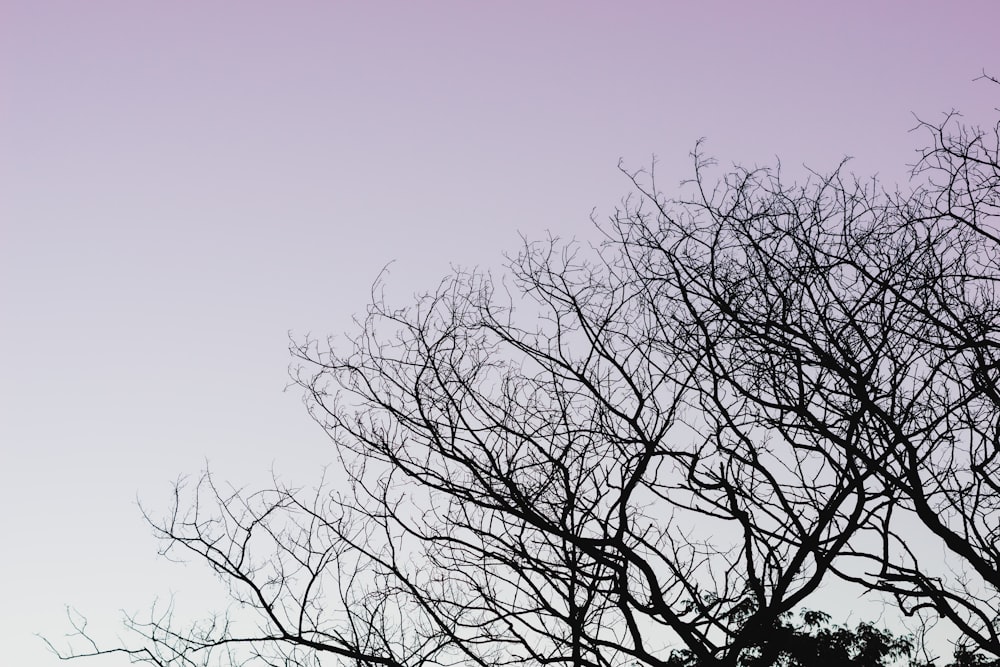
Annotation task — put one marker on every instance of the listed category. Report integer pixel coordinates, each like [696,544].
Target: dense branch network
[650,452]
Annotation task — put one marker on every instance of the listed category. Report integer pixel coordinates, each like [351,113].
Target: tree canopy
[650,451]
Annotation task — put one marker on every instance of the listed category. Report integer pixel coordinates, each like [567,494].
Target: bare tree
[648,452]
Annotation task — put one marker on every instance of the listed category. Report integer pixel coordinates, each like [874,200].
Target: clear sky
[183,183]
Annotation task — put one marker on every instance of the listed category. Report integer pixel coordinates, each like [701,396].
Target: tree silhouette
[649,452]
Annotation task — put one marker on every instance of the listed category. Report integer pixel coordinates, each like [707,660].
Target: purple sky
[182,183]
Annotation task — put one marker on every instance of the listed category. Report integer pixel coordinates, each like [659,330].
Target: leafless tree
[647,452]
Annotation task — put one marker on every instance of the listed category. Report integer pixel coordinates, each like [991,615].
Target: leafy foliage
[809,640]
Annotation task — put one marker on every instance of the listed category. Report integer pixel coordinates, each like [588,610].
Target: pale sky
[183,183]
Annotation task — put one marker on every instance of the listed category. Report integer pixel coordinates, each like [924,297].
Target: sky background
[183,183]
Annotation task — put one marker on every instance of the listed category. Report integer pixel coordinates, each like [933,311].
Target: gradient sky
[183,183]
